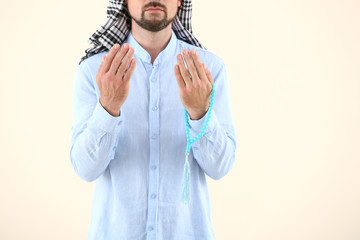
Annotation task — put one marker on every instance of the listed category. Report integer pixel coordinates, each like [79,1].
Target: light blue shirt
[137,159]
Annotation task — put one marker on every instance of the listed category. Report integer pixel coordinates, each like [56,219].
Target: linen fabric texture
[136,160]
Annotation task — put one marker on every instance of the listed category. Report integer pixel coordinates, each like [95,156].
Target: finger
[208,74]
[99,72]
[101,65]
[178,77]
[191,66]
[110,57]
[184,72]
[129,72]
[125,64]
[197,63]
[118,59]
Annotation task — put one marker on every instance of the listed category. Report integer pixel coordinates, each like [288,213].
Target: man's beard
[154,25]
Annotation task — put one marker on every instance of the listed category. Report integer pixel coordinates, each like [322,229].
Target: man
[129,134]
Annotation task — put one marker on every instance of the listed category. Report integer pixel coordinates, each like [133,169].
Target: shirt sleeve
[94,130]
[215,150]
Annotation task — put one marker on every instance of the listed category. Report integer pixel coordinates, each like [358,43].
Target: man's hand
[194,84]
[113,78]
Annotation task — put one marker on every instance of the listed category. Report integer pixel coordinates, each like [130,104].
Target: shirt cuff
[104,120]
[197,125]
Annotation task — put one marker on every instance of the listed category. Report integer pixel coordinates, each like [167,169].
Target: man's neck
[152,42]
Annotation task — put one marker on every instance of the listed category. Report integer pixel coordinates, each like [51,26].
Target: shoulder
[213,62]
[205,55]
[91,64]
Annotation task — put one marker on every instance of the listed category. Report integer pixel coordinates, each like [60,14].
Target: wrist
[197,115]
[111,108]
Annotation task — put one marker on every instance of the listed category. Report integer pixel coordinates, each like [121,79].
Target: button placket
[154,149]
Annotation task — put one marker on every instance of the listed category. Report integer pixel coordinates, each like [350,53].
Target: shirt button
[153,79]
[114,148]
[153,167]
[154,108]
[153,195]
[154,136]
[150,228]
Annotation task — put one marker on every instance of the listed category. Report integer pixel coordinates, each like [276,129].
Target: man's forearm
[94,146]
[215,151]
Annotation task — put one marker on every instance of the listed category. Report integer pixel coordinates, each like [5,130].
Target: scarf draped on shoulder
[118,25]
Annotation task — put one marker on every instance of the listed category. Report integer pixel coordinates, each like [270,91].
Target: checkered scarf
[118,26]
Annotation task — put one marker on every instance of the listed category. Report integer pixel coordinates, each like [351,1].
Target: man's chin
[154,25]
[154,18]
[153,22]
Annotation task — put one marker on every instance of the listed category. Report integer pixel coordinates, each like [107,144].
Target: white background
[295,88]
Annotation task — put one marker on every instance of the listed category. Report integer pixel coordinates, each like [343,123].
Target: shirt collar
[145,56]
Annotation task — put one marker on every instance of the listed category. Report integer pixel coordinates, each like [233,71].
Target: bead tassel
[185,186]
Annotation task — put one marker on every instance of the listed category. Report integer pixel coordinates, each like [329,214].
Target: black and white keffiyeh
[118,26]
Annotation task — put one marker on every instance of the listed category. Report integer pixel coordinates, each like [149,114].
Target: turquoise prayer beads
[185,186]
